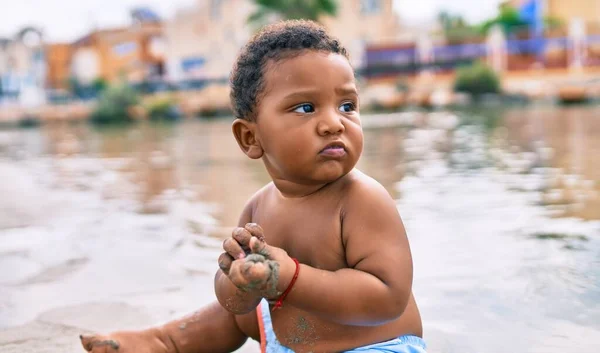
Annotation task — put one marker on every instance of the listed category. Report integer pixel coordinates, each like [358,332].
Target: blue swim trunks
[270,344]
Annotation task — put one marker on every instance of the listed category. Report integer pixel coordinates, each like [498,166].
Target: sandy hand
[253,265]
[147,341]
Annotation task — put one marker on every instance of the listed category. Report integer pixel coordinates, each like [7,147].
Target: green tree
[449,21]
[99,85]
[455,28]
[292,9]
[508,19]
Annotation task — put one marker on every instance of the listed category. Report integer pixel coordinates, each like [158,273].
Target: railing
[521,54]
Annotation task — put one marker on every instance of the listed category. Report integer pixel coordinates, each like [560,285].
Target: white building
[203,41]
[23,68]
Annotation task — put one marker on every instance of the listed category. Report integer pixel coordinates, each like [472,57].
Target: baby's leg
[211,329]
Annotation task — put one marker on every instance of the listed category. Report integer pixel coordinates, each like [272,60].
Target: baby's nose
[330,124]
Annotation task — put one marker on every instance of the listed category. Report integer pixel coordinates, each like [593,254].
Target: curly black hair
[273,43]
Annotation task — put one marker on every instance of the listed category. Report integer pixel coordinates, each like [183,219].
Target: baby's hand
[252,265]
[147,341]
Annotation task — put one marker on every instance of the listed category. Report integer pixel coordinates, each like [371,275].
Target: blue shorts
[270,344]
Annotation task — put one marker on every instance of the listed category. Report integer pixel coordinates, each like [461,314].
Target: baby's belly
[304,332]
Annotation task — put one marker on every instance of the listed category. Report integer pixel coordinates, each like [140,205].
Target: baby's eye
[305,108]
[347,107]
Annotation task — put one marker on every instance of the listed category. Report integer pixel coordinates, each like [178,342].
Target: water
[116,228]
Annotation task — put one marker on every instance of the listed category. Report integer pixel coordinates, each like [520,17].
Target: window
[192,63]
[370,7]
[124,49]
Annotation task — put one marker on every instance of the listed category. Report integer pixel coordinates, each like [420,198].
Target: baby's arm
[377,285]
[229,295]
[211,329]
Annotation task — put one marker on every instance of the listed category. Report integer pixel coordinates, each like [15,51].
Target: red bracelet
[279,302]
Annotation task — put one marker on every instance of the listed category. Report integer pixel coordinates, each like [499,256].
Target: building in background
[23,67]
[134,53]
[58,61]
[203,41]
[364,22]
[587,11]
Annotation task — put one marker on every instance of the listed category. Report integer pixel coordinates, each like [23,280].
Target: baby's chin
[330,175]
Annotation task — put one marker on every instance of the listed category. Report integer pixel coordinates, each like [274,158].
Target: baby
[320,261]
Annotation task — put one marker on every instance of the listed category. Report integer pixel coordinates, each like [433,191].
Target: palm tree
[292,9]
[508,19]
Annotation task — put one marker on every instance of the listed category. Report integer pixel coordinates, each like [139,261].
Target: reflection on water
[487,196]
[561,146]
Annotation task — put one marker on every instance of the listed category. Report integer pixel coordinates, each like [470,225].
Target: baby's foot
[147,341]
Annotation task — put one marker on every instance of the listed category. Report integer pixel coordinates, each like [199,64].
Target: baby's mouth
[336,149]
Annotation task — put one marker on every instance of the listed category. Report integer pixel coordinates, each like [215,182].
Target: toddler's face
[308,119]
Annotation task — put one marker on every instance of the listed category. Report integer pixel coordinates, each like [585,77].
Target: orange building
[134,53]
[58,61]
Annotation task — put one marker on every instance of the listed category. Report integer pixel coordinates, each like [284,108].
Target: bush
[114,105]
[164,109]
[99,85]
[477,79]
[29,121]
[214,112]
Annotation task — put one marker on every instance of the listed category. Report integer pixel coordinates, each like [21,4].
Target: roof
[144,14]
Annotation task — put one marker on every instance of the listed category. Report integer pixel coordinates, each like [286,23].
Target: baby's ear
[245,135]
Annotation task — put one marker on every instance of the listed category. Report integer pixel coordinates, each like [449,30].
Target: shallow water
[115,228]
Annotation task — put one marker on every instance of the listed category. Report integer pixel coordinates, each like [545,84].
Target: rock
[393,102]
[442,98]
[376,93]
[572,94]
[420,98]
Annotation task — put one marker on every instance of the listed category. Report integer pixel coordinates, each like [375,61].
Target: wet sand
[83,259]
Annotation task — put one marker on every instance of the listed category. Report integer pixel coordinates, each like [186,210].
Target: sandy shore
[57,331]
[75,258]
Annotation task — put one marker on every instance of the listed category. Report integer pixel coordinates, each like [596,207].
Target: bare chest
[308,231]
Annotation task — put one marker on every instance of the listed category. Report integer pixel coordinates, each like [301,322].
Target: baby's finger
[236,274]
[233,248]
[259,247]
[225,261]
[250,273]
[256,272]
[255,230]
[242,236]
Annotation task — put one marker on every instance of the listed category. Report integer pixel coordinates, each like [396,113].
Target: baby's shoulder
[359,188]
[248,213]
[369,218]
